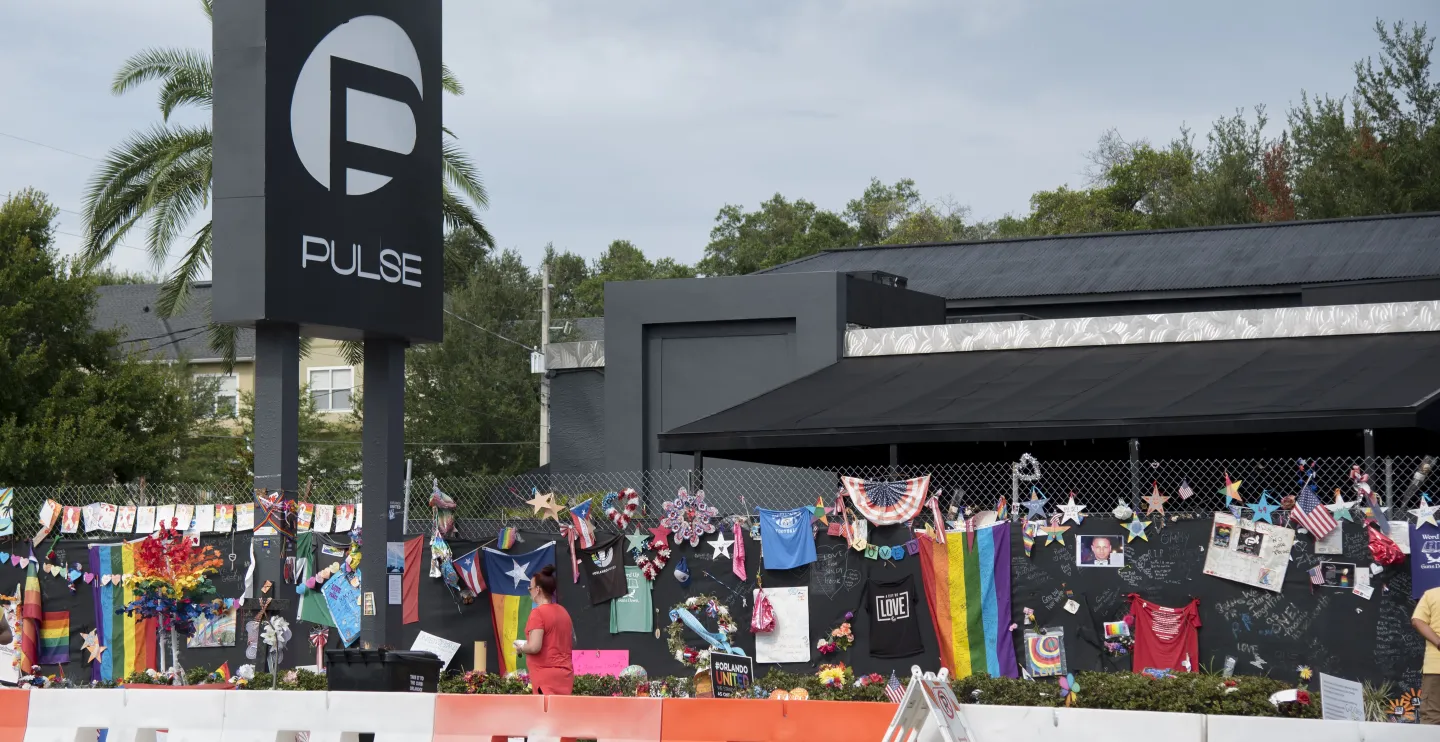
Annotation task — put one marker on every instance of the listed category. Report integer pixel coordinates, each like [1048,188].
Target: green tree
[475,389]
[74,408]
[778,232]
[622,261]
[1384,157]
[163,176]
[329,448]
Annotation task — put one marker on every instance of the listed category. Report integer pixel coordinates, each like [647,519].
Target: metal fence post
[1389,479]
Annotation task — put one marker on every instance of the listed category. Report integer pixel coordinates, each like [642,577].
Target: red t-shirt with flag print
[1165,638]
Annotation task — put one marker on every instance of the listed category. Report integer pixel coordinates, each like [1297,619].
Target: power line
[165,335]
[492,332]
[118,244]
[47,146]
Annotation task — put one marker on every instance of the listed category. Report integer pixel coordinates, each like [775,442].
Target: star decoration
[518,573]
[659,534]
[1071,511]
[637,541]
[1341,509]
[1426,512]
[1054,533]
[1155,502]
[1263,509]
[93,646]
[1136,527]
[1035,505]
[545,502]
[1231,490]
[720,545]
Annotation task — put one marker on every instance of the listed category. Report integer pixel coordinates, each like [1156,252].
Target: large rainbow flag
[508,576]
[968,589]
[129,642]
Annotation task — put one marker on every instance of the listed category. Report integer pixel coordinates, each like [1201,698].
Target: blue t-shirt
[785,538]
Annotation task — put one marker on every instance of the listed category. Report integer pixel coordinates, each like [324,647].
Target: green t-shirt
[632,612]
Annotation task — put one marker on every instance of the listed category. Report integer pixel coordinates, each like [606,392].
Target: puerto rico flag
[467,568]
[887,503]
[580,519]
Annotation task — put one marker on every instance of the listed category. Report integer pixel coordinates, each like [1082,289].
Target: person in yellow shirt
[1426,620]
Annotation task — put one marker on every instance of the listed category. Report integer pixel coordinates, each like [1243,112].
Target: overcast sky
[593,121]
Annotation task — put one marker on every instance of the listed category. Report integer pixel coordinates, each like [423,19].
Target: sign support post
[277,436]
[383,470]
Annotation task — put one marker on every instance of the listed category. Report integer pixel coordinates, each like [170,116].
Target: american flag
[1316,518]
[893,690]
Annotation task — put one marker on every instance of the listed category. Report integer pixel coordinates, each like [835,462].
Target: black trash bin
[382,670]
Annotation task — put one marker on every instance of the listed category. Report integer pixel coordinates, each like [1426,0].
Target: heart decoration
[74,575]
[89,578]
[651,567]
[1028,470]
[629,501]
[15,560]
[4,556]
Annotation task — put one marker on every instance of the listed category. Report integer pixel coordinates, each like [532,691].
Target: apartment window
[226,388]
[330,388]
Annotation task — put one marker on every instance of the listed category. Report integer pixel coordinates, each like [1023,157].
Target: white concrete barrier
[270,715]
[1266,729]
[391,717]
[73,715]
[186,715]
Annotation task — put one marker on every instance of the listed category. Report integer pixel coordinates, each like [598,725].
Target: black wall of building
[577,421]
[1332,631]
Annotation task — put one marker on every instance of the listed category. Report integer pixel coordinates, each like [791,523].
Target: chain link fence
[486,502]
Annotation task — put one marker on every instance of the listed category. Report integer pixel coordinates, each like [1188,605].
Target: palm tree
[163,175]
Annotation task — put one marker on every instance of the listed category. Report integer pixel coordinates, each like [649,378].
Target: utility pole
[544,351]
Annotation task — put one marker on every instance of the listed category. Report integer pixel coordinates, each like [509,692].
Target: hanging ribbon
[318,638]
[737,562]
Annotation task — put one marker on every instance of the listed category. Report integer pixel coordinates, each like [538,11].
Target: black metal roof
[1286,253]
[130,310]
[1118,391]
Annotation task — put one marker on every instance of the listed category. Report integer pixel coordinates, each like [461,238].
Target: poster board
[1255,554]
[1340,699]
[441,647]
[343,598]
[790,641]
[731,675]
[599,661]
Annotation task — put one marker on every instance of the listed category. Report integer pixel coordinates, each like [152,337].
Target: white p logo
[371,128]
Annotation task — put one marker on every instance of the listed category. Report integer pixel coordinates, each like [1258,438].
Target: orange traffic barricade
[14,714]
[601,718]
[485,718]
[722,720]
[812,720]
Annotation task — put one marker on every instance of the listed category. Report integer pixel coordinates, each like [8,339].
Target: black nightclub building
[1312,338]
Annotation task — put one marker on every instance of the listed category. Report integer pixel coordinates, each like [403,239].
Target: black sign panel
[731,675]
[327,146]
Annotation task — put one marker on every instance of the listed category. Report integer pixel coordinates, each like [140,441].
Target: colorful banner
[508,576]
[129,641]
[969,595]
[30,615]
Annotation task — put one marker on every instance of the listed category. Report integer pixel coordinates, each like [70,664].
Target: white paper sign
[1400,534]
[1340,699]
[443,648]
[9,673]
[790,641]
[394,594]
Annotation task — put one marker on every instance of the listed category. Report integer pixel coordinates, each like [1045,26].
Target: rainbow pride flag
[508,576]
[968,588]
[55,638]
[129,642]
[30,616]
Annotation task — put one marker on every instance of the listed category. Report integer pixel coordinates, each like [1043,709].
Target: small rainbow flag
[969,595]
[54,638]
[223,671]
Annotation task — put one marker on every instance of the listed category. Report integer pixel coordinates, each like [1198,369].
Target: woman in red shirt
[548,639]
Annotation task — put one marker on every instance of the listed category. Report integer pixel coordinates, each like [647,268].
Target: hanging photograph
[1100,551]
[1221,534]
[1045,653]
[1338,575]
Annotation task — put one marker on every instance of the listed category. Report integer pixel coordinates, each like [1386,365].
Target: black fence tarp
[1330,630]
